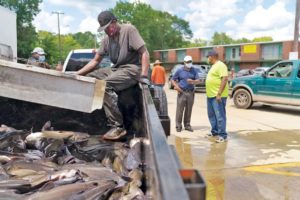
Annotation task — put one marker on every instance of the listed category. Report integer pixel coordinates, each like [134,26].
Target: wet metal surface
[257,165]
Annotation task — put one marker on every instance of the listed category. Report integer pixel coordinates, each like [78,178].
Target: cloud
[167,5]
[231,23]
[88,24]
[85,6]
[48,22]
[204,15]
[274,21]
[265,19]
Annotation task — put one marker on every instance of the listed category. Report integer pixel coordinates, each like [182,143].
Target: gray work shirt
[125,50]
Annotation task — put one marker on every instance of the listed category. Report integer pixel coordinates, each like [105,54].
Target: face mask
[111,30]
[42,58]
[189,65]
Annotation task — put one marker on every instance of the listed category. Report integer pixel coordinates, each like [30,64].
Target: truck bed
[50,87]
[162,177]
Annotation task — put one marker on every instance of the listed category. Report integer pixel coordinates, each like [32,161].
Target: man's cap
[39,51]
[157,62]
[104,19]
[187,59]
[212,53]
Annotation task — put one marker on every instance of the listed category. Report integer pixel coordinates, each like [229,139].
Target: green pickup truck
[278,85]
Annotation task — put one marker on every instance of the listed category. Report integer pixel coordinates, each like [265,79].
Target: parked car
[202,71]
[280,84]
[78,58]
[260,70]
[244,72]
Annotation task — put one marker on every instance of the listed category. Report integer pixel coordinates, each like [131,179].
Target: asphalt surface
[261,159]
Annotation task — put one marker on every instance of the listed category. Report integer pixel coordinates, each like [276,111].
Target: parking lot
[261,160]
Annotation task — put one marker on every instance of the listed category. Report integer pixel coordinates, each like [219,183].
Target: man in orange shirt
[158,78]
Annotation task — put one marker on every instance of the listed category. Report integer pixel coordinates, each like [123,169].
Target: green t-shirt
[214,79]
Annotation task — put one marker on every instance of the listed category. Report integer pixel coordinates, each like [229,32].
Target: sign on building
[250,48]
[293,55]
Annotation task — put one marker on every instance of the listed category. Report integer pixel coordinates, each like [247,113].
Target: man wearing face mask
[217,93]
[184,80]
[38,58]
[126,49]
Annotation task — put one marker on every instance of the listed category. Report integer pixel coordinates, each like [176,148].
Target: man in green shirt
[217,93]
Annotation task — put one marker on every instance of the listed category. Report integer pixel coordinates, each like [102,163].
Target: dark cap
[104,19]
[212,53]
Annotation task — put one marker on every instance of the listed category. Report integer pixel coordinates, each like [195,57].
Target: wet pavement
[251,166]
[261,159]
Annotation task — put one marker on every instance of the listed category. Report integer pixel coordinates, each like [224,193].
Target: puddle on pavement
[258,165]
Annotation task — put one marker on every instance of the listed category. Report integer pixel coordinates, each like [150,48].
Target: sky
[237,18]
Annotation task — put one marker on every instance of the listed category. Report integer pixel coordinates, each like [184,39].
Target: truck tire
[242,99]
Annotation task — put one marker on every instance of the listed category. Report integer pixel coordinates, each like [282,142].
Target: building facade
[237,56]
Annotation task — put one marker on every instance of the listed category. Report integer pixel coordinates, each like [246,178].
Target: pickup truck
[31,95]
[78,58]
[278,85]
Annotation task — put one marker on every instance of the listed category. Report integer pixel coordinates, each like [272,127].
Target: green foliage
[242,40]
[49,42]
[196,43]
[223,39]
[25,10]
[68,44]
[263,39]
[86,40]
[160,30]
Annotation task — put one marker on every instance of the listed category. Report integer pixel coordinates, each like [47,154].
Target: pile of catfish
[67,165]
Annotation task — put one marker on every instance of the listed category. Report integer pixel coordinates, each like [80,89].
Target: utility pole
[59,40]
[296,31]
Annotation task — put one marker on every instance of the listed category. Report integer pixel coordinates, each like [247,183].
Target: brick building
[238,56]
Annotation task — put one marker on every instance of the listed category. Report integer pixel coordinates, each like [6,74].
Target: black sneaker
[178,129]
[114,133]
[189,129]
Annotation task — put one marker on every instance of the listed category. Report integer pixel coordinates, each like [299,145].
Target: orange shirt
[158,75]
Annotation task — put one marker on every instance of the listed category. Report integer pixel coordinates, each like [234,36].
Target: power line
[59,40]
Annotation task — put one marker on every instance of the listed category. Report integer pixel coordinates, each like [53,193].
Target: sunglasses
[189,61]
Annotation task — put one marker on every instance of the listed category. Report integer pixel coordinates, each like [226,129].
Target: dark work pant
[160,93]
[117,80]
[185,102]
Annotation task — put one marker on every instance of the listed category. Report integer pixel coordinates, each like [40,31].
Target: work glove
[144,80]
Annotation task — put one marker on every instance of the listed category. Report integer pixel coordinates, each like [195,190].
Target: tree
[160,30]
[25,10]
[49,42]
[87,40]
[263,39]
[198,42]
[68,44]
[242,40]
[221,39]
